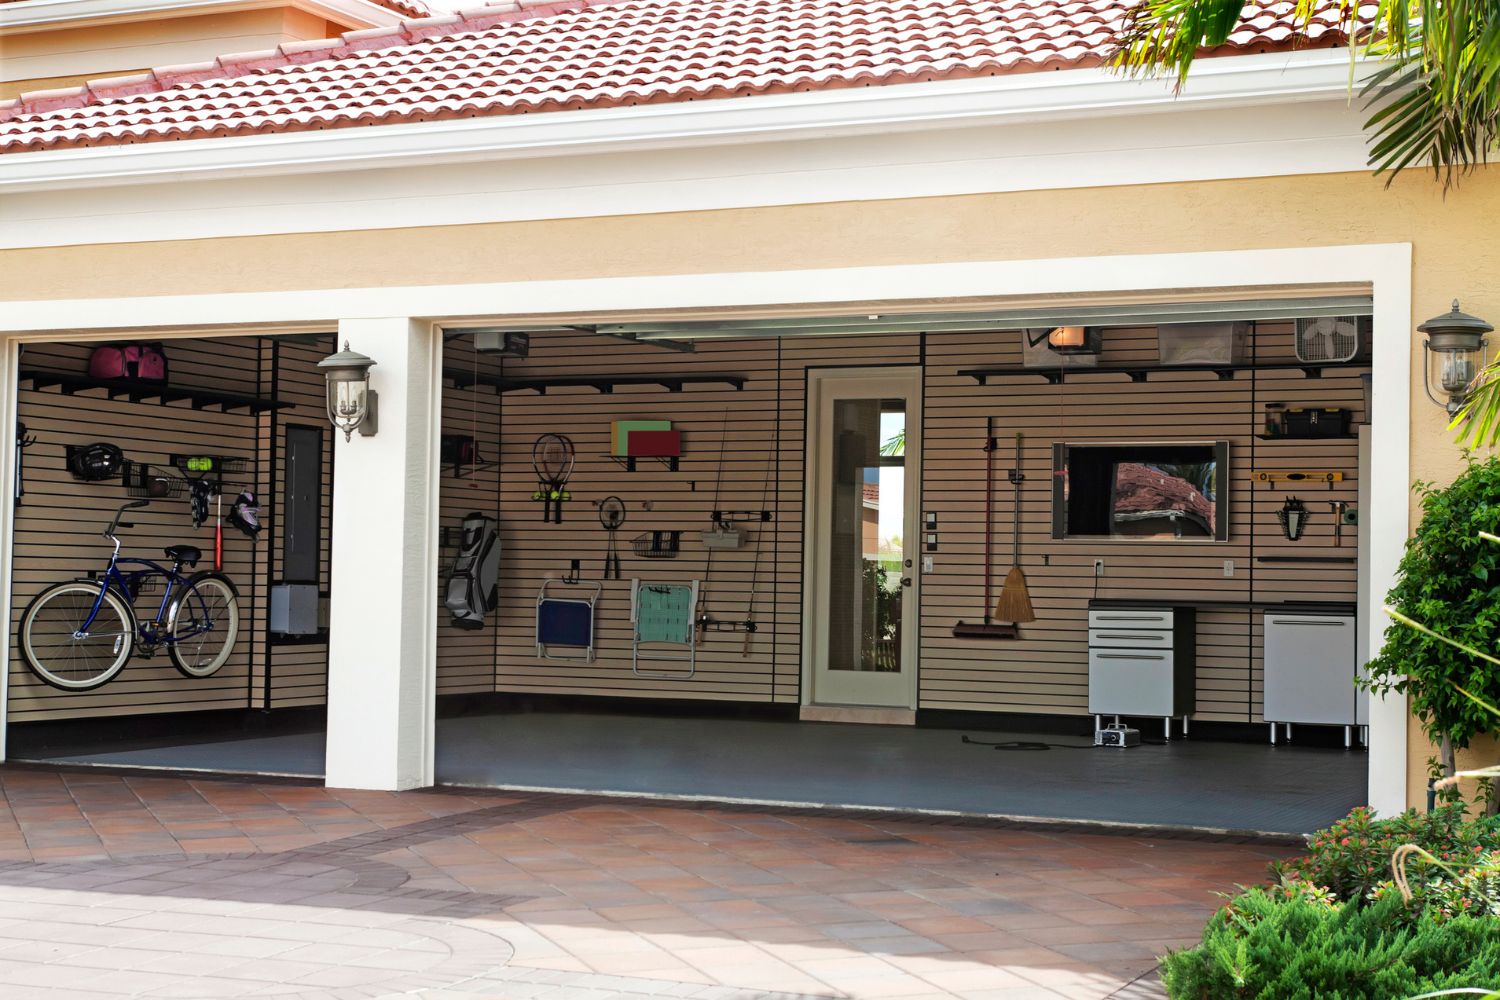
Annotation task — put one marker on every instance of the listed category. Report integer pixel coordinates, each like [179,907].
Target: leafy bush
[1450,583]
[1353,856]
[1472,890]
[1291,943]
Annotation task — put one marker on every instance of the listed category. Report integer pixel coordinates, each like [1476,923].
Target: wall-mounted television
[1146,491]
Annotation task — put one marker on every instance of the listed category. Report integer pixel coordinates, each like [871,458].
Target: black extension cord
[1031,746]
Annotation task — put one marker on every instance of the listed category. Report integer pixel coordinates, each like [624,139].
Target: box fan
[1328,338]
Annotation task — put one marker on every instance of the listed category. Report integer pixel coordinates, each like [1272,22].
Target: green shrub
[1449,582]
[1353,856]
[1291,943]
[1470,890]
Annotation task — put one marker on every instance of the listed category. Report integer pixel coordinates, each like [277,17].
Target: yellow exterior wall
[66,56]
[1455,251]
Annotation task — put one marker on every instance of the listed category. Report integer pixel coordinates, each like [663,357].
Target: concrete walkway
[115,886]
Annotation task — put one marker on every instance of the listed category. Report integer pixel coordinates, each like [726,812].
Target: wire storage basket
[657,544]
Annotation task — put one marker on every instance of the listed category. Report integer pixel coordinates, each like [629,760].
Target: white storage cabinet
[1310,668]
[1142,662]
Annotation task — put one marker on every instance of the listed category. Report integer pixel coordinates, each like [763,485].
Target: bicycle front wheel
[203,625]
[59,649]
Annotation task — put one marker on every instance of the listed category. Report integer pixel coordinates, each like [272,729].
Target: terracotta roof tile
[535,57]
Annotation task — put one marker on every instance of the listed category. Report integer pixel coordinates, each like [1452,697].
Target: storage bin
[1201,343]
[1325,422]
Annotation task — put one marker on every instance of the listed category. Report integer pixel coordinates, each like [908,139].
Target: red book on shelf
[654,444]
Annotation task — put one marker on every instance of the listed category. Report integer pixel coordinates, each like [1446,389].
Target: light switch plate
[927,564]
[1229,567]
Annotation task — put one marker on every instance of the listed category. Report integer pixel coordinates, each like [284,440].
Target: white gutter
[1230,81]
[37,14]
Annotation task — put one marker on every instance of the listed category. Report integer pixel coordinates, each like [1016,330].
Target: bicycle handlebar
[109,532]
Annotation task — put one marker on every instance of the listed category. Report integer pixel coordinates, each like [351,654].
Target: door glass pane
[865,551]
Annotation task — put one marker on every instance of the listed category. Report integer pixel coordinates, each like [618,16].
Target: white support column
[382,630]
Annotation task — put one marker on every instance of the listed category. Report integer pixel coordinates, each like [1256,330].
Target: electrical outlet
[927,564]
[1229,567]
[1098,567]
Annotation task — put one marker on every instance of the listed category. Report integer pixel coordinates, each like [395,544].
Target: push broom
[1015,601]
[989,628]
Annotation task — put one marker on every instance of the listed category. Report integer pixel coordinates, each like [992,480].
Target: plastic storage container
[1201,343]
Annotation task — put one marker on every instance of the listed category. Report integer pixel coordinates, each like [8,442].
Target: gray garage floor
[1193,783]
[1197,783]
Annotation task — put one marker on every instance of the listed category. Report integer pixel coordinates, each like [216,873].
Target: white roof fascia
[1080,94]
[37,14]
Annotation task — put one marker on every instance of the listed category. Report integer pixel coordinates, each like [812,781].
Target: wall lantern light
[1075,339]
[351,402]
[1293,518]
[1457,340]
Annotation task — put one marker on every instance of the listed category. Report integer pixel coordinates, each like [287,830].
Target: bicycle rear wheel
[56,648]
[203,625]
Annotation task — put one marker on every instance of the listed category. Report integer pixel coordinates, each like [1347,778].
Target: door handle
[906,581]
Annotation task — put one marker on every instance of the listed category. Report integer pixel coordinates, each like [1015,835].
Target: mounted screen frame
[1095,522]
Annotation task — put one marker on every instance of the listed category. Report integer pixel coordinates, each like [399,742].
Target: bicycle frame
[126,584]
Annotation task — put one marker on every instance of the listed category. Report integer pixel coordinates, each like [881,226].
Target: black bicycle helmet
[96,462]
[244,513]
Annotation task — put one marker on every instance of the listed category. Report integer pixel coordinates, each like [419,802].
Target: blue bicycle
[80,634]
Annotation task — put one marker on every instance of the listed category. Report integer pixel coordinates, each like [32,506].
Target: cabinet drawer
[1130,638]
[1130,618]
[1130,682]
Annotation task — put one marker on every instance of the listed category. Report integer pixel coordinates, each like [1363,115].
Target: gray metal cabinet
[1142,661]
[1310,668]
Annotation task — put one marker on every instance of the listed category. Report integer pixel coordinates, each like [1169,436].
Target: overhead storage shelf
[135,392]
[602,383]
[1139,373]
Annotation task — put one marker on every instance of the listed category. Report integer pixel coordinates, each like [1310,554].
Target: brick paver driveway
[117,886]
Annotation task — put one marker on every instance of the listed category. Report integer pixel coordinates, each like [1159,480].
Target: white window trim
[1386,268]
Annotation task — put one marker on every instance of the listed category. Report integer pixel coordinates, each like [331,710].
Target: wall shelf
[603,383]
[1306,559]
[161,395]
[1307,440]
[1140,373]
[630,462]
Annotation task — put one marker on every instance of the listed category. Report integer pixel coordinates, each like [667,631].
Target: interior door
[863,496]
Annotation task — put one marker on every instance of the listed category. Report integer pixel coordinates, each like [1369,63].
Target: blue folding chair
[565,625]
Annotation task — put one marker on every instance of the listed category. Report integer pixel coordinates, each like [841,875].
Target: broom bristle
[1014,604]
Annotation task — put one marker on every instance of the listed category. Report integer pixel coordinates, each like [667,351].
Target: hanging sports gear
[612,515]
[473,581]
[244,514]
[552,457]
[95,462]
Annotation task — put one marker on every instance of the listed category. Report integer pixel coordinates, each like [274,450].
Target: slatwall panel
[298,673]
[59,520]
[1044,672]
[466,659]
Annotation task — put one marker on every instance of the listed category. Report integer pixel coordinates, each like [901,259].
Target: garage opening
[201,471]
[672,566]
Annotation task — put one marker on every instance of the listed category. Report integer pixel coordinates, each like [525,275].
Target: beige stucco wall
[1456,251]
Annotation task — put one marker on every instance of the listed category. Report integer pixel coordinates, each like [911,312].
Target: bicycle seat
[186,554]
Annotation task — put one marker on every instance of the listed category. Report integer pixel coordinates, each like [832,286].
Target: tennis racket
[612,515]
[552,458]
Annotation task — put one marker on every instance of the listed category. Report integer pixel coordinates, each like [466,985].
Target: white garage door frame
[1384,268]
